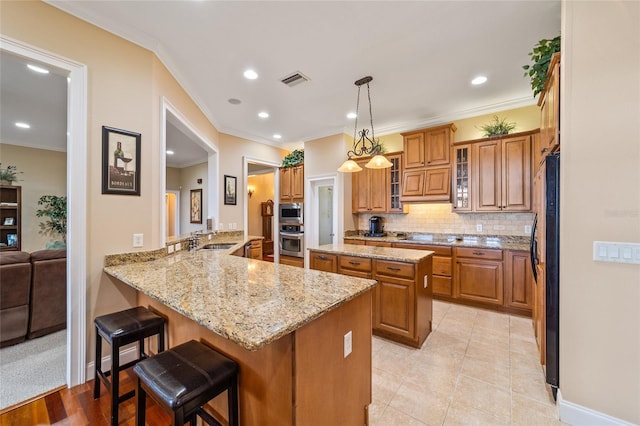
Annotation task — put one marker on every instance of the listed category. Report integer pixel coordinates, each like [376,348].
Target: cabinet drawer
[353,273]
[355,242]
[378,243]
[437,250]
[355,263]
[442,286]
[442,266]
[476,253]
[395,269]
[323,262]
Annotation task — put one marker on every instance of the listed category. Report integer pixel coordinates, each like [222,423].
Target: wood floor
[76,406]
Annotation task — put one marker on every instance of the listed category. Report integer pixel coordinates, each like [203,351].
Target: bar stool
[120,329]
[184,378]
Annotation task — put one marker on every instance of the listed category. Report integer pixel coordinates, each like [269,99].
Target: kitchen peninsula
[284,325]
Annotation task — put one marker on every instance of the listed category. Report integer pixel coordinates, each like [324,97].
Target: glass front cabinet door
[462,178]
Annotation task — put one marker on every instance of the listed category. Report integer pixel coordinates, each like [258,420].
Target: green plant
[293,158]
[541,56]
[497,127]
[55,208]
[9,173]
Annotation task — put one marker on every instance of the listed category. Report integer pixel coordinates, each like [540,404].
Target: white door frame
[276,191]
[76,200]
[212,163]
[311,208]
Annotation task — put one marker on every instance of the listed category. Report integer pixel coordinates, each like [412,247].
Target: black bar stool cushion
[185,372]
[125,323]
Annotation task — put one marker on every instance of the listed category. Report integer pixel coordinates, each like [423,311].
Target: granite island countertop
[374,252]
[248,301]
[503,242]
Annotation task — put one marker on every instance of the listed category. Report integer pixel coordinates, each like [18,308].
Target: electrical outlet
[178,246]
[138,240]
[209,236]
[479,227]
[170,248]
[527,229]
[348,344]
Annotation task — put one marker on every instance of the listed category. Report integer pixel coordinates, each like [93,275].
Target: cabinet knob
[322,257]
[478,253]
[392,268]
[354,263]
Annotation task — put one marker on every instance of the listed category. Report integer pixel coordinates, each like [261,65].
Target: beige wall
[44,172]
[600,192]
[323,157]
[232,151]
[264,190]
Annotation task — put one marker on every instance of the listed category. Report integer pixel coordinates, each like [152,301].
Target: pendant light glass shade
[349,166]
[378,162]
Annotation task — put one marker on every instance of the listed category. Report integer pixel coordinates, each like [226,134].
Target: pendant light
[364,145]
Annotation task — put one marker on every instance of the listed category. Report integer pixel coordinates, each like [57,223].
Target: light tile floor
[477,367]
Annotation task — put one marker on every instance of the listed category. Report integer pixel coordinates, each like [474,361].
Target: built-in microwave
[291,213]
[292,240]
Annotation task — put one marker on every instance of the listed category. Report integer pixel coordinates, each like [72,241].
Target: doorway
[76,193]
[260,201]
[189,162]
[324,208]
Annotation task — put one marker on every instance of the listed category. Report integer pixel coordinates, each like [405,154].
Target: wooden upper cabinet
[549,103]
[369,188]
[428,147]
[431,184]
[502,174]
[292,183]
[413,144]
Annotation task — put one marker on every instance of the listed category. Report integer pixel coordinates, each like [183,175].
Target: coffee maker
[375,227]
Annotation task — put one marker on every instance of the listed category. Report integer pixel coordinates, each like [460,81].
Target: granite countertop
[503,242]
[384,253]
[247,301]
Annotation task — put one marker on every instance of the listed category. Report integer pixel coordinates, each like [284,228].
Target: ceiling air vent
[294,79]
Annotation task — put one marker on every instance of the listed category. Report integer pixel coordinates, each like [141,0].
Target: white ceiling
[422,56]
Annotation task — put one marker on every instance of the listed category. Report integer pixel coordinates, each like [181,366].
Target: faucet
[194,242]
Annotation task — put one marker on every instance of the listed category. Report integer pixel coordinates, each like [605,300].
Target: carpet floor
[32,368]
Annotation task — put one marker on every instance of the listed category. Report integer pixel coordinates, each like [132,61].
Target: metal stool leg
[98,365]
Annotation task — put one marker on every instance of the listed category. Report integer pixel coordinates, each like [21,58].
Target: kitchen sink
[421,237]
[217,246]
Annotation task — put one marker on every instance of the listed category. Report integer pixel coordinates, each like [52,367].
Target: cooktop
[375,234]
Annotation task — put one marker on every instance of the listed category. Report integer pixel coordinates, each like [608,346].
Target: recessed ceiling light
[23,125]
[169,152]
[352,115]
[479,80]
[38,69]
[234,101]
[277,136]
[263,114]
[250,74]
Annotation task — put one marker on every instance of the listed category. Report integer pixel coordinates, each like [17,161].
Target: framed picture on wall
[230,190]
[196,206]
[120,161]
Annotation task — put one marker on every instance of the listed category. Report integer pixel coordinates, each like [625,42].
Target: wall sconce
[250,190]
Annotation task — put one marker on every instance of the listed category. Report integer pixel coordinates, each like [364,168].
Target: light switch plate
[138,240]
[348,343]
[616,252]
[178,246]
[170,248]
[479,227]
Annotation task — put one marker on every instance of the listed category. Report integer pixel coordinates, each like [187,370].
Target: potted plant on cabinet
[541,57]
[8,174]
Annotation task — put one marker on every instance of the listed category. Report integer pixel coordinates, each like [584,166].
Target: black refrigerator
[552,260]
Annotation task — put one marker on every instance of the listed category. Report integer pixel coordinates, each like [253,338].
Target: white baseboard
[126,355]
[578,415]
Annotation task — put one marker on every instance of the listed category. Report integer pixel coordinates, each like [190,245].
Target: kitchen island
[285,326]
[403,298]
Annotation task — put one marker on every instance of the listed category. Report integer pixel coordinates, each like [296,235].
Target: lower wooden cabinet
[479,275]
[254,251]
[292,261]
[442,267]
[394,310]
[354,266]
[518,281]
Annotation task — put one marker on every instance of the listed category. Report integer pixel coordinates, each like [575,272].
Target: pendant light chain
[373,136]
[355,127]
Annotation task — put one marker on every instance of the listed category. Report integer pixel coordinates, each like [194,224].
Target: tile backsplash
[438,218]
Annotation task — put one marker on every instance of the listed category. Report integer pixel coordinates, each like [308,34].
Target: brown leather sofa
[15,288]
[48,307]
